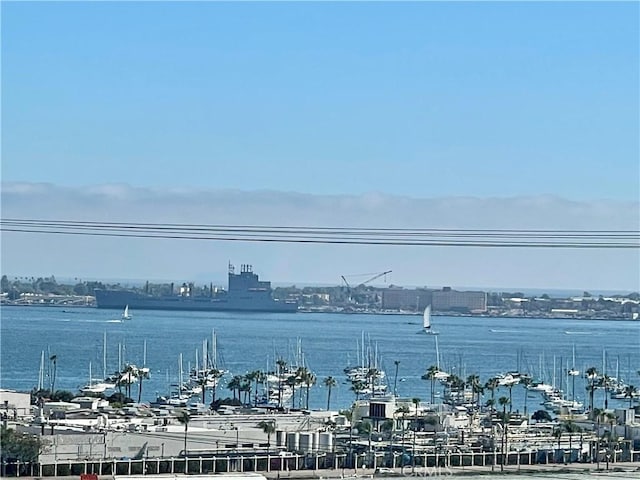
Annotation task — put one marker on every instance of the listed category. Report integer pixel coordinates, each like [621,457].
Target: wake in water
[84,320]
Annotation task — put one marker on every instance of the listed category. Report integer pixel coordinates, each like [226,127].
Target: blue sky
[419,114]
[420,99]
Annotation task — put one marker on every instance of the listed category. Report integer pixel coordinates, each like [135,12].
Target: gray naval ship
[246,293]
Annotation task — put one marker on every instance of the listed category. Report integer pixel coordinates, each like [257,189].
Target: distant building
[398,298]
[453,300]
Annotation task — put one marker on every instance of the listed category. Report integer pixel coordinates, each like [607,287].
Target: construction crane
[362,284]
[378,275]
[358,295]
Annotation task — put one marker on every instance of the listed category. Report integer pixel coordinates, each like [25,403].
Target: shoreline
[381,313]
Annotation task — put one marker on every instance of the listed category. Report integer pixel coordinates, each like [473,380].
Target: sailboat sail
[125,314]
[426,318]
[426,322]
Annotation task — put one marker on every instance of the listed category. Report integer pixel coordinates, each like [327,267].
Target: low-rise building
[14,404]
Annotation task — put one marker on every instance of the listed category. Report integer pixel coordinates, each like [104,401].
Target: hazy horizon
[138,282]
[202,260]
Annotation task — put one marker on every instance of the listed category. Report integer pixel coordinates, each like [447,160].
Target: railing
[294,462]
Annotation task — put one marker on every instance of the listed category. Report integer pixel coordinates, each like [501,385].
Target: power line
[504,238]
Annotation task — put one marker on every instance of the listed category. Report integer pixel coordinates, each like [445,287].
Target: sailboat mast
[180,374]
[41,372]
[214,349]
[205,354]
[104,355]
[144,354]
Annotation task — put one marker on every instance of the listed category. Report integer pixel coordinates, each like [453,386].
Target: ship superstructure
[245,293]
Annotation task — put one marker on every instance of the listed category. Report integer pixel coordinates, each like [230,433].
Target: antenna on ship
[231,268]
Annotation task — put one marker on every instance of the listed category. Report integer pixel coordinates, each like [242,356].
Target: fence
[293,462]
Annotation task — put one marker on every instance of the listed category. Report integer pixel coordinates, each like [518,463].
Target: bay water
[484,346]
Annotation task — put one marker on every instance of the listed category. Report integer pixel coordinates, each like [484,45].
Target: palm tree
[476,388]
[309,380]
[372,374]
[356,387]
[301,377]
[416,404]
[269,428]
[292,381]
[570,427]
[142,374]
[611,418]
[250,377]
[395,378]
[591,374]
[234,384]
[629,392]
[348,414]
[281,364]
[472,380]
[598,415]
[129,375]
[259,377]
[245,387]
[510,402]
[183,417]
[557,432]
[526,383]
[490,403]
[54,361]
[329,382]
[492,384]
[605,381]
[214,375]
[403,410]
[504,401]
[431,375]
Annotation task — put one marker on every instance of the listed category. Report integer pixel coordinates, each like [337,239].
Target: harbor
[338,395]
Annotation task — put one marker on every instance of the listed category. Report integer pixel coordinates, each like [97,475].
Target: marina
[317,392]
[329,343]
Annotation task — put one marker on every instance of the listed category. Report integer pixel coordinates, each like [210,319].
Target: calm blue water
[482,346]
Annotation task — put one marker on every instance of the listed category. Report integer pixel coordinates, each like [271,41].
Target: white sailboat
[126,315]
[105,384]
[440,374]
[426,322]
